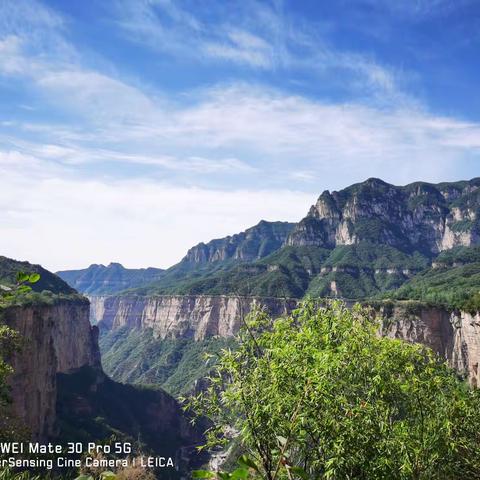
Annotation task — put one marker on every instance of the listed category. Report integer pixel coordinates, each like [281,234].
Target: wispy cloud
[253,34]
[421,8]
[102,153]
[138,222]
[226,127]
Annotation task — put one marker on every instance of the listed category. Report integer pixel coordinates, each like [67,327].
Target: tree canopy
[319,394]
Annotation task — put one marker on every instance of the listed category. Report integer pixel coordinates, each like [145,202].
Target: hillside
[453,280]
[48,281]
[102,280]
[359,242]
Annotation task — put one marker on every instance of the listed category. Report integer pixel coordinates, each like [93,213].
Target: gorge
[412,253]
[59,391]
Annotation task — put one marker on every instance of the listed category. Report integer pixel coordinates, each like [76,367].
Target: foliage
[294,271]
[454,281]
[136,356]
[48,281]
[8,474]
[22,284]
[106,475]
[320,395]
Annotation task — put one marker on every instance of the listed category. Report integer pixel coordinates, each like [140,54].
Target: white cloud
[67,223]
[254,34]
[259,138]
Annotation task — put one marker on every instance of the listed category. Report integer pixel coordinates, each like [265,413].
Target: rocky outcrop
[454,335]
[420,216]
[177,316]
[55,339]
[254,243]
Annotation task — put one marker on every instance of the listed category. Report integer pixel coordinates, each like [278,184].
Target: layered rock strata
[55,339]
[453,334]
[420,216]
[182,316]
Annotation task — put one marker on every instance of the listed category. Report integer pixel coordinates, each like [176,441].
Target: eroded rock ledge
[453,334]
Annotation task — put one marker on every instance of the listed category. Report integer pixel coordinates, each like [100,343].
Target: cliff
[254,243]
[420,216]
[55,339]
[455,335]
[59,389]
[181,316]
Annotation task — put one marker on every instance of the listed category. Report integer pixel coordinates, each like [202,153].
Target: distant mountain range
[103,280]
[363,241]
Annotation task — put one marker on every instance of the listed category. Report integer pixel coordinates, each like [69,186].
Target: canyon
[453,334]
[60,392]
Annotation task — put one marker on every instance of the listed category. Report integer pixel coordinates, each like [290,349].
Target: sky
[131,130]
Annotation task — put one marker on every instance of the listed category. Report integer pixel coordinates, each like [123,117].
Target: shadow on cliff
[92,407]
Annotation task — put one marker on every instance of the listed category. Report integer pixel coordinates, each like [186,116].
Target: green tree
[319,394]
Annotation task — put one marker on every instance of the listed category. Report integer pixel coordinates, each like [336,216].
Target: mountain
[101,280]
[418,217]
[48,281]
[371,241]
[220,255]
[252,244]
[361,241]
[58,389]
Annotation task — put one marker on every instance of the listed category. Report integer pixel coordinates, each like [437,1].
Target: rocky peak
[254,243]
[420,216]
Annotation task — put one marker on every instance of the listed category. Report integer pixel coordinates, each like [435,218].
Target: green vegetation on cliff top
[452,281]
[48,281]
[359,271]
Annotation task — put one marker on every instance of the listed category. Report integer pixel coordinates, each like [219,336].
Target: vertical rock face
[55,339]
[419,216]
[182,316]
[454,335]
[254,243]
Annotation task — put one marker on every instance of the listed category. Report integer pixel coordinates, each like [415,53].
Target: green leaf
[22,277]
[299,472]
[34,277]
[240,474]
[247,462]
[108,475]
[84,477]
[202,474]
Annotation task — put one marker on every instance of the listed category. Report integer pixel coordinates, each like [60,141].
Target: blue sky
[133,129]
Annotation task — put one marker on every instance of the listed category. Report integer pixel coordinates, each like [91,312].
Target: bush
[320,395]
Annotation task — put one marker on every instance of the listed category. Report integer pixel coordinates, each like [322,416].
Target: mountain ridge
[363,240]
[101,279]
